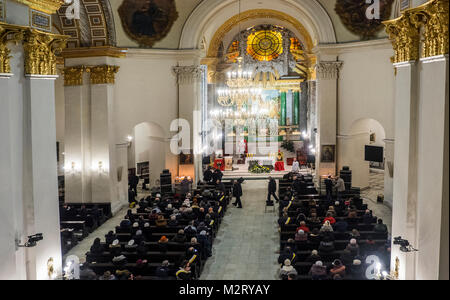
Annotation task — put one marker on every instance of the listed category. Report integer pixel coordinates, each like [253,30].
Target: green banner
[296,108]
[283,109]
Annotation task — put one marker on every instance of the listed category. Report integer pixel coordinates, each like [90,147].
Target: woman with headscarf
[287,269]
[97,248]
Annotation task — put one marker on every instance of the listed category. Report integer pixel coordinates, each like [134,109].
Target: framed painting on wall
[187,159]
[328,154]
[147,21]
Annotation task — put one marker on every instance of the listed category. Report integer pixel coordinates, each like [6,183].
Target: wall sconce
[73,168]
[100,168]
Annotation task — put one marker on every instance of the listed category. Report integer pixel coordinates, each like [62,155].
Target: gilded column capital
[329,69]
[8,33]
[102,74]
[189,74]
[405,31]
[40,50]
[73,75]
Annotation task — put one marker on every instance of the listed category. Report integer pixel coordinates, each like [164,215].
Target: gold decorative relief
[258,14]
[40,52]
[426,26]
[73,75]
[8,33]
[47,6]
[103,74]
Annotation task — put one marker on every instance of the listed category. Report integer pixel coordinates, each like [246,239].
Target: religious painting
[148,21]
[328,154]
[354,15]
[187,159]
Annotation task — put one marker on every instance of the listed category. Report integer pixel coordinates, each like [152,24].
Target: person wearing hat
[287,269]
[205,244]
[367,217]
[337,268]
[318,271]
[179,237]
[115,248]
[131,246]
[301,236]
[162,272]
[353,247]
[119,261]
[107,276]
[357,270]
[161,221]
[313,257]
[163,244]
[110,237]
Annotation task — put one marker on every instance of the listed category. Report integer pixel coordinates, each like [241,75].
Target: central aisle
[247,242]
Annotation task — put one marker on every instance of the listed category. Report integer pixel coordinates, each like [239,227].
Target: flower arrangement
[258,169]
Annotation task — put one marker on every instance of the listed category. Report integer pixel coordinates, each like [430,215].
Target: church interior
[224,140]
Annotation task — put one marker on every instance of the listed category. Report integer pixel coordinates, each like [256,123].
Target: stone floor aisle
[247,241]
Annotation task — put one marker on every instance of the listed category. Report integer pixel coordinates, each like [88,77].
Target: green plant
[288,145]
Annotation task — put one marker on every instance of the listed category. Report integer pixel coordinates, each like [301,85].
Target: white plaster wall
[60,120]
[366,86]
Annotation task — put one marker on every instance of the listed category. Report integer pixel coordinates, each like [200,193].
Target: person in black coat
[208,175]
[217,175]
[272,190]
[237,192]
[134,181]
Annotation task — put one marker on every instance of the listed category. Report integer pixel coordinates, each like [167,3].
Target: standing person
[272,190]
[237,192]
[340,188]
[134,181]
[329,188]
[295,166]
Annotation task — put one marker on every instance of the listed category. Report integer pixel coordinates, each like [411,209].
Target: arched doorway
[147,154]
[366,138]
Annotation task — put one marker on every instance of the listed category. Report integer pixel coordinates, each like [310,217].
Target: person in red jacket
[330,218]
[303,227]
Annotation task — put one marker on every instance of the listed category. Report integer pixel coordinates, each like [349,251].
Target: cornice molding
[94,52]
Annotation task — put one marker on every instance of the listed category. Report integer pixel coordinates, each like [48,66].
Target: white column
[327,84]
[7,205]
[77,139]
[404,208]
[41,190]
[432,170]
[190,108]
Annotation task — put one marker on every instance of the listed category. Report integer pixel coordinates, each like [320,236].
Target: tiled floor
[247,241]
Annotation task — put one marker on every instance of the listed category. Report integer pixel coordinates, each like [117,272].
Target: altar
[262,160]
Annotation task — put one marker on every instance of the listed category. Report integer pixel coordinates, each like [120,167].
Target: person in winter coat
[237,192]
[287,269]
[318,271]
[272,189]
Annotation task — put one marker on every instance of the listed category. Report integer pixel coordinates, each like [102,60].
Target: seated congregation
[322,238]
[168,237]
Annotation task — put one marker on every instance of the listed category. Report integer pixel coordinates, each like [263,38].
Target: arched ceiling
[94,28]
[255,17]
[206,22]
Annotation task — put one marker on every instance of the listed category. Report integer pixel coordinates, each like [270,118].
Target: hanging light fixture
[240,86]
